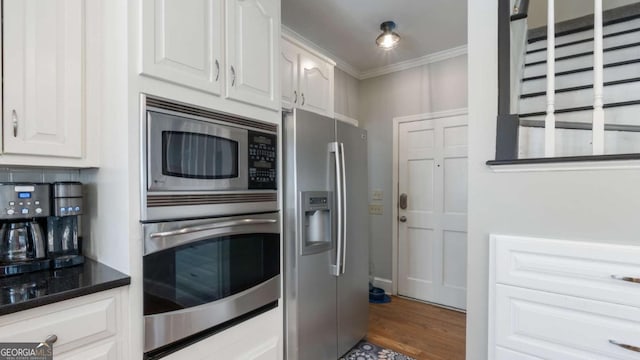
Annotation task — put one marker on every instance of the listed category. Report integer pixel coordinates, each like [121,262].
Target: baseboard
[384,284]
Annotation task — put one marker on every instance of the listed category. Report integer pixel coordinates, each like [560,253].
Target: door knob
[403,218]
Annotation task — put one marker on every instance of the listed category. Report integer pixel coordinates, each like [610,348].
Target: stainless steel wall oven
[210,221]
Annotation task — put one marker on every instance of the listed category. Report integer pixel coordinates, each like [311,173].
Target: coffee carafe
[24,208]
[63,242]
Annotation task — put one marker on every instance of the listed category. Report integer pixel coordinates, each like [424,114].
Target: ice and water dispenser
[316,213]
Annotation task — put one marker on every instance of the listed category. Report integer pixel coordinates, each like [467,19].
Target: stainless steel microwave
[199,162]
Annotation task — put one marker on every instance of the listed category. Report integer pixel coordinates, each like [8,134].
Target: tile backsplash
[48,175]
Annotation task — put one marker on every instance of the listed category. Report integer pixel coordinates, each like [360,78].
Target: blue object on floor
[377,296]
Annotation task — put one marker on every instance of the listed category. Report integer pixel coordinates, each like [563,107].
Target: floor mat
[368,351]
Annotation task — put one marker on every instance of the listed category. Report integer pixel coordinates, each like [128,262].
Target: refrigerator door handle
[334,148]
[343,263]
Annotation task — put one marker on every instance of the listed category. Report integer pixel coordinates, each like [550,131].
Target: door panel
[353,290]
[167,55]
[253,33]
[289,74]
[43,77]
[432,169]
[311,287]
[316,85]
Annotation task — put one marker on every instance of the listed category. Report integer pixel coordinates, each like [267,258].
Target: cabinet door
[43,77]
[252,38]
[289,74]
[181,42]
[316,84]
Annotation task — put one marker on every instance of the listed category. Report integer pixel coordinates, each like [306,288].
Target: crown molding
[293,36]
[341,64]
[412,63]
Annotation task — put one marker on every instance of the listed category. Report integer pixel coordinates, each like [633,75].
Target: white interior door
[432,229]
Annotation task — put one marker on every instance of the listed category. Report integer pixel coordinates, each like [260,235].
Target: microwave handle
[217,225]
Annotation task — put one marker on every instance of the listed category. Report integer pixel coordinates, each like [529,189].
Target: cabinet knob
[14,120]
[302,94]
[233,76]
[51,339]
[217,70]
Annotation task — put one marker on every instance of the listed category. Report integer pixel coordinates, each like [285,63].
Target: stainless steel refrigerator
[326,229]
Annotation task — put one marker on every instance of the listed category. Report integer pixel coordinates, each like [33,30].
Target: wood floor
[418,330]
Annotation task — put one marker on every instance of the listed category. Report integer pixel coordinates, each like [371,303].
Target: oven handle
[217,225]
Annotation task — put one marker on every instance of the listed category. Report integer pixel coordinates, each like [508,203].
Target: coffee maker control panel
[24,201]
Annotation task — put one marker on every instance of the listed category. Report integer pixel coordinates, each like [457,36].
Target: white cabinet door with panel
[289,59]
[316,84]
[182,42]
[252,43]
[307,79]
[88,327]
[43,77]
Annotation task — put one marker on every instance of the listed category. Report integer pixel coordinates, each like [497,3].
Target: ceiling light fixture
[388,39]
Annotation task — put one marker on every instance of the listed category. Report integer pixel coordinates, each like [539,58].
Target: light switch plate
[377,195]
[375,209]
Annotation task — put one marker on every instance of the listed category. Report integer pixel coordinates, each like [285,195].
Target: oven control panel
[24,201]
[263,150]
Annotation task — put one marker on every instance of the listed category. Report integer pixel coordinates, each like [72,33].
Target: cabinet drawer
[567,267]
[259,338]
[552,326]
[75,322]
[508,354]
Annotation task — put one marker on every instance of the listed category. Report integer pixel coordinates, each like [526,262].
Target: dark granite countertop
[26,291]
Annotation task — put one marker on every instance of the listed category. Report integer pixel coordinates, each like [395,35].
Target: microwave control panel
[263,150]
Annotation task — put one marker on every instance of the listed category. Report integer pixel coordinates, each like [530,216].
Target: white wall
[567,9]
[597,205]
[346,90]
[429,88]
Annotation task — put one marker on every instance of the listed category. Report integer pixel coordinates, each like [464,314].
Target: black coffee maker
[63,242]
[24,208]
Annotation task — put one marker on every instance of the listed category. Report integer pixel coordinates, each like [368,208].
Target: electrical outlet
[375,209]
[377,195]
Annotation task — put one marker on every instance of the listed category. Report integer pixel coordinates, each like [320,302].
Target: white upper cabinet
[182,42]
[43,52]
[316,84]
[289,74]
[307,79]
[252,39]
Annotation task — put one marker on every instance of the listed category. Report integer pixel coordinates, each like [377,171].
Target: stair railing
[550,118]
[598,80]
[598,128]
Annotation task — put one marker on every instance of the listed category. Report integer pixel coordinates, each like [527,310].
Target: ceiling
[348,28]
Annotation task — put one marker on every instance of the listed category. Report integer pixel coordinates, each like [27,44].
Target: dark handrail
[520,10]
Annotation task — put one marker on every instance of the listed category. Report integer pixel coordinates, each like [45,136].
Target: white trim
[308,45]
[394,209]
[408,64]
[568,166]
[345,118]
[384,284]
[290,35]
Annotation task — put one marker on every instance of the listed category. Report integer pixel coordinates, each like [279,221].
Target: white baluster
[598,85]
[550,119]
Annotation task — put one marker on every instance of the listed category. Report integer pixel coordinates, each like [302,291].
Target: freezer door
[310,287]
[353,289]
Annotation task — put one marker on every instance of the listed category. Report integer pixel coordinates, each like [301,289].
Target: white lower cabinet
[88,327]
[258,338]
[565,300]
